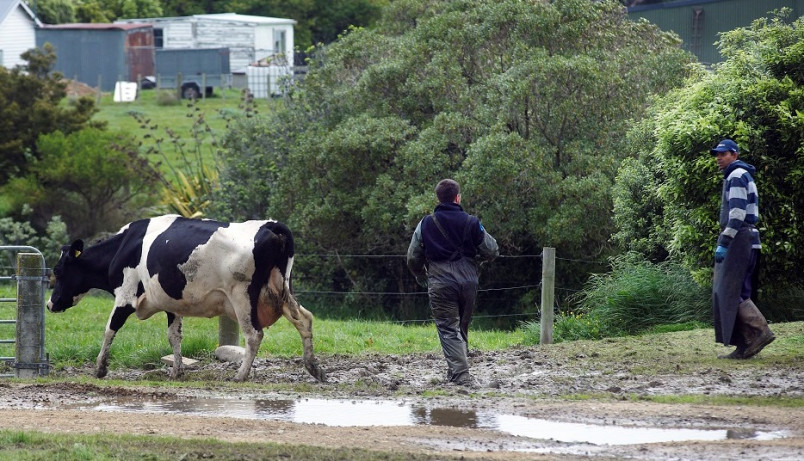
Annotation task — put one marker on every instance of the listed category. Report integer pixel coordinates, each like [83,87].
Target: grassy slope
[178,118]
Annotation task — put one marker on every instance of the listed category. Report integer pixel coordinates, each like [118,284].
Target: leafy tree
[30,105]
[754,97]
[94,179]
[92,11]
[55,11]
[525,103]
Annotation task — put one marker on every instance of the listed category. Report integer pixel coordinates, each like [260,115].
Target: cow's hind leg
[252,335]
[116,320]
[253,339]
[302,319]
[174,338]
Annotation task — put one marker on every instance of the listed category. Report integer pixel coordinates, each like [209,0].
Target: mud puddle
[351,413]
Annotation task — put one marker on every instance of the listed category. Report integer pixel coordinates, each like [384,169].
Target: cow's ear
[76,248]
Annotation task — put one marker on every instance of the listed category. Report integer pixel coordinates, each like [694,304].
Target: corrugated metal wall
[100,56]
[89,56]
[698,22]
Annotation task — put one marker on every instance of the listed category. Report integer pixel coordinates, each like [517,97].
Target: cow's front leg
[116,320]
[174,338]
[302,319]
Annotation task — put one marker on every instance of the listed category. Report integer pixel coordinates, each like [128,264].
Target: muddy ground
[546,382]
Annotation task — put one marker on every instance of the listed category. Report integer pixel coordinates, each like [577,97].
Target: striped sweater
[740,203]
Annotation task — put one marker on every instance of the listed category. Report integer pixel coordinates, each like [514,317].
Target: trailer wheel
[190,91]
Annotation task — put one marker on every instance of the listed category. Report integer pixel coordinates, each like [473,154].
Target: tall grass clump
[638,295]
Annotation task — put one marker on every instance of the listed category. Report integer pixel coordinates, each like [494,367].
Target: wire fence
[381,287]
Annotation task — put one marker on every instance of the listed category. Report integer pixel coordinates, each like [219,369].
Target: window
[159,38]
[279,41]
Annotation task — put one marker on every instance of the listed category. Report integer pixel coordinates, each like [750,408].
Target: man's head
[448,191]
[725,153]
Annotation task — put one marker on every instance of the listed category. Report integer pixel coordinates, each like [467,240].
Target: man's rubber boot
[750,315]
[737,354]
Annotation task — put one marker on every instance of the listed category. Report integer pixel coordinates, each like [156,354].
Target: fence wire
[509,287]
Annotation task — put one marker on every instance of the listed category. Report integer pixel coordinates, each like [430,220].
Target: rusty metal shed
[100,54]
[698,22]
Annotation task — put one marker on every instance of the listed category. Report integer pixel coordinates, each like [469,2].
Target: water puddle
[332,412]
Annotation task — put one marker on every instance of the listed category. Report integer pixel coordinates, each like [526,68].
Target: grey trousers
[452,288]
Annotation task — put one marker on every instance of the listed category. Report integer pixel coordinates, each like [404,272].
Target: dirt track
[532,382]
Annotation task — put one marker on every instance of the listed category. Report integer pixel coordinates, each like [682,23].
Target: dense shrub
[637,295]
[667,198]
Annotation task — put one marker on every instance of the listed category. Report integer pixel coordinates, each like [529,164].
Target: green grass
[759,401]
[74,337]
[31,446]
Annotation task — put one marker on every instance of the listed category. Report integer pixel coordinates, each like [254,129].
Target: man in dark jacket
[738,321]
[442,256]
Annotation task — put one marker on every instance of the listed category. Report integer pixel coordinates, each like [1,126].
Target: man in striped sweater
[738,321]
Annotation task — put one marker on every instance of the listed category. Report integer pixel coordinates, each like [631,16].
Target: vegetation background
[568,126]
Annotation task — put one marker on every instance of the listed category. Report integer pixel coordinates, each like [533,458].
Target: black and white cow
[189,267]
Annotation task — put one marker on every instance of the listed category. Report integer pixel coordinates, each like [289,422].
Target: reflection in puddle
[400,413]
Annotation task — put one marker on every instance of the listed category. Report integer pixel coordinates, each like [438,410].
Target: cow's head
[68,288]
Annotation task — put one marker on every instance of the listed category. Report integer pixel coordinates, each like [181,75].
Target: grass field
[18,445]
[187,120]
[74,337]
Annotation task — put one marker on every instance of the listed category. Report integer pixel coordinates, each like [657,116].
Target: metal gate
[32,278]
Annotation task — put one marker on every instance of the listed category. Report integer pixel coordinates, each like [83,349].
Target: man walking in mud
[442,256]
[738,321]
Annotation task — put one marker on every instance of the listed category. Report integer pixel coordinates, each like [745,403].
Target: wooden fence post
[548,294]
[228,332]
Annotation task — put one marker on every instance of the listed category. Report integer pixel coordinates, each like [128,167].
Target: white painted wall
[249,38]
[17,35]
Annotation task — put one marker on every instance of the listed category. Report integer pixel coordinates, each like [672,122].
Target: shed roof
[246,18]
[223,17]
[96,26]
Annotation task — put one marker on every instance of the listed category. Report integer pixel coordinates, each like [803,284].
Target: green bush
[637,295]
[666,200]
[48,241]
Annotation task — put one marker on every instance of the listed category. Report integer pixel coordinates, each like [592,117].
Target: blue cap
[725,146]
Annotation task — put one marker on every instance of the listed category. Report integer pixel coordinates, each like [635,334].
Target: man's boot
[750,316]
[742,336]
[737,354]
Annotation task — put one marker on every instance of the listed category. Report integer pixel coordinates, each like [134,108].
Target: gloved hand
[720,253]
[422,280]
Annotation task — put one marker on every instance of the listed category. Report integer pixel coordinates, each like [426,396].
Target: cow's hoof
[241,375]
[316,371]
[100,373]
